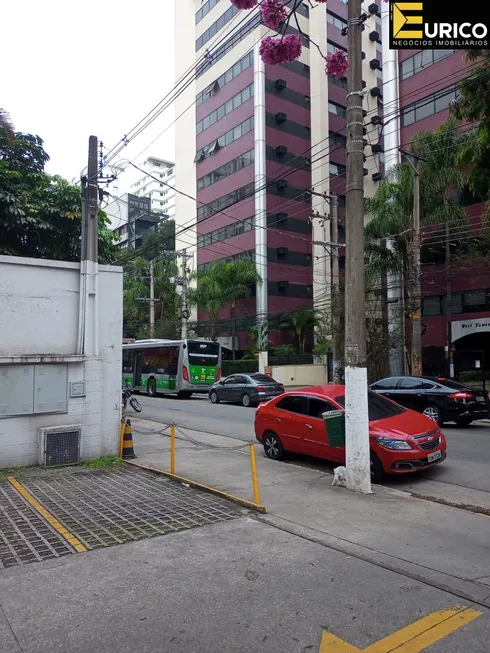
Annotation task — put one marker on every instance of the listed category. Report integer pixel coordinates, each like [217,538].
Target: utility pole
[336,305]
[152,301]
[356,391]
[416,308]
[185,288]
[449,305]
[88,320]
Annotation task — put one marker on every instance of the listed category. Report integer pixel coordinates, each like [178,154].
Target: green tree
[473,107]
[137,290]
[154,242]
[40,215]
[303,323]
[441,182]
[223,284]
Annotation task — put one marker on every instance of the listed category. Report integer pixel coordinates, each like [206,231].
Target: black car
[443,400]
[245,389]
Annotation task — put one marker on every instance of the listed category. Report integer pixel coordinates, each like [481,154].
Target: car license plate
[434,456]
[481,400]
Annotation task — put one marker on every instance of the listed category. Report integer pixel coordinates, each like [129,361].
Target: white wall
[300,376]
[38,323]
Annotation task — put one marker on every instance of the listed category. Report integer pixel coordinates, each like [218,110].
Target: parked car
[245,389]
[443,400]
[401,441]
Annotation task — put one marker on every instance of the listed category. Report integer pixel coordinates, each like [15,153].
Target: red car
[401,440]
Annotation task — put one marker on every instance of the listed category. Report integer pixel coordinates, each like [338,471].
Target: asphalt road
[468,462]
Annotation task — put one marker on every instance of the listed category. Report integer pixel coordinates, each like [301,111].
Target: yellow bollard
[121,436]
[255,481]
[172,448]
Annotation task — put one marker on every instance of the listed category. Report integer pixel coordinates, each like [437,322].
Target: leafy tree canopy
[40,214]
[473,107]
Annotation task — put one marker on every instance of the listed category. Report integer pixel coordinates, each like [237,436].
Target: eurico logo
[416,25]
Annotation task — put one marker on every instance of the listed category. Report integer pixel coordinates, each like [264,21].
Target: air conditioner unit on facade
[59,445]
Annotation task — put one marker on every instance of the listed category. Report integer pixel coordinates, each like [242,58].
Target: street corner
[47,514]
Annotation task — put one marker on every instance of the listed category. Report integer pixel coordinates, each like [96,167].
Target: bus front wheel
[184,394]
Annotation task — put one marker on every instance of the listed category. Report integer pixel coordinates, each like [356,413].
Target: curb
[204,488]
[476,510]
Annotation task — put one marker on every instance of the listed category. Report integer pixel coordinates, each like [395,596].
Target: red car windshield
[378,407]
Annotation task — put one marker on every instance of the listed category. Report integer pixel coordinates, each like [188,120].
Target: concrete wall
[38,324]
[300,376]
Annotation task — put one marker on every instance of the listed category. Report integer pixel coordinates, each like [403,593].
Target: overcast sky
[71,69]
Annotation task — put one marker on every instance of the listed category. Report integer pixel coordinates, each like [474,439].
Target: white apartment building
[157,183]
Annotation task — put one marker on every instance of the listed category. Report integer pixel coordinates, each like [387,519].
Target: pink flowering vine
[273,13]
[337,64]
[279,50]
[244,4]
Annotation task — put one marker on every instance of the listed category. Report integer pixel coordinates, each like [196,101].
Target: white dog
[339,476]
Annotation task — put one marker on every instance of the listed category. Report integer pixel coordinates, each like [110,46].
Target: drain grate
[24,536]
[107,507]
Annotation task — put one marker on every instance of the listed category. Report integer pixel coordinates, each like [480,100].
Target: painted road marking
[412,639]
[45,514]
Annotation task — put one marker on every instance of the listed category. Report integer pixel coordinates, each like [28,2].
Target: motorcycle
[127,395]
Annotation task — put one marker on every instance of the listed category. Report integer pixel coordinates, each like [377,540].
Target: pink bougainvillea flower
[277,50]
[244,4]
[273,13]
[337,64]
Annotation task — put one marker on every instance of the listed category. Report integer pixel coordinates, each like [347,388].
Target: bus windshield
[203,352]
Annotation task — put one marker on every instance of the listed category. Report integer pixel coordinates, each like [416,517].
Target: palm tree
[223,284]
[441,182]
[302,322]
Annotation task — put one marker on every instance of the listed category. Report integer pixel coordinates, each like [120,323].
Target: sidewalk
[436,544]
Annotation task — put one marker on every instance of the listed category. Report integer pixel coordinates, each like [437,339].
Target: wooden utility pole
[336,307]
[356,392]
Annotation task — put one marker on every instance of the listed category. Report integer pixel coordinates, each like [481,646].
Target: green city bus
[179,367]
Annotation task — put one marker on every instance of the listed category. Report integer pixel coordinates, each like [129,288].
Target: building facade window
[225,201]
[225,109]
[228,138]
[205,9]
[422,60]
[337,169]
[224,233]
[337,109]
[337,140]
[332,47]
[250,255]
[226,170]
[336,21]
[216,26]
[237,68]
[342,82]
[428,106]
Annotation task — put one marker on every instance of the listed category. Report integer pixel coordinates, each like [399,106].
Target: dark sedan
[245,389]
[443,400]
